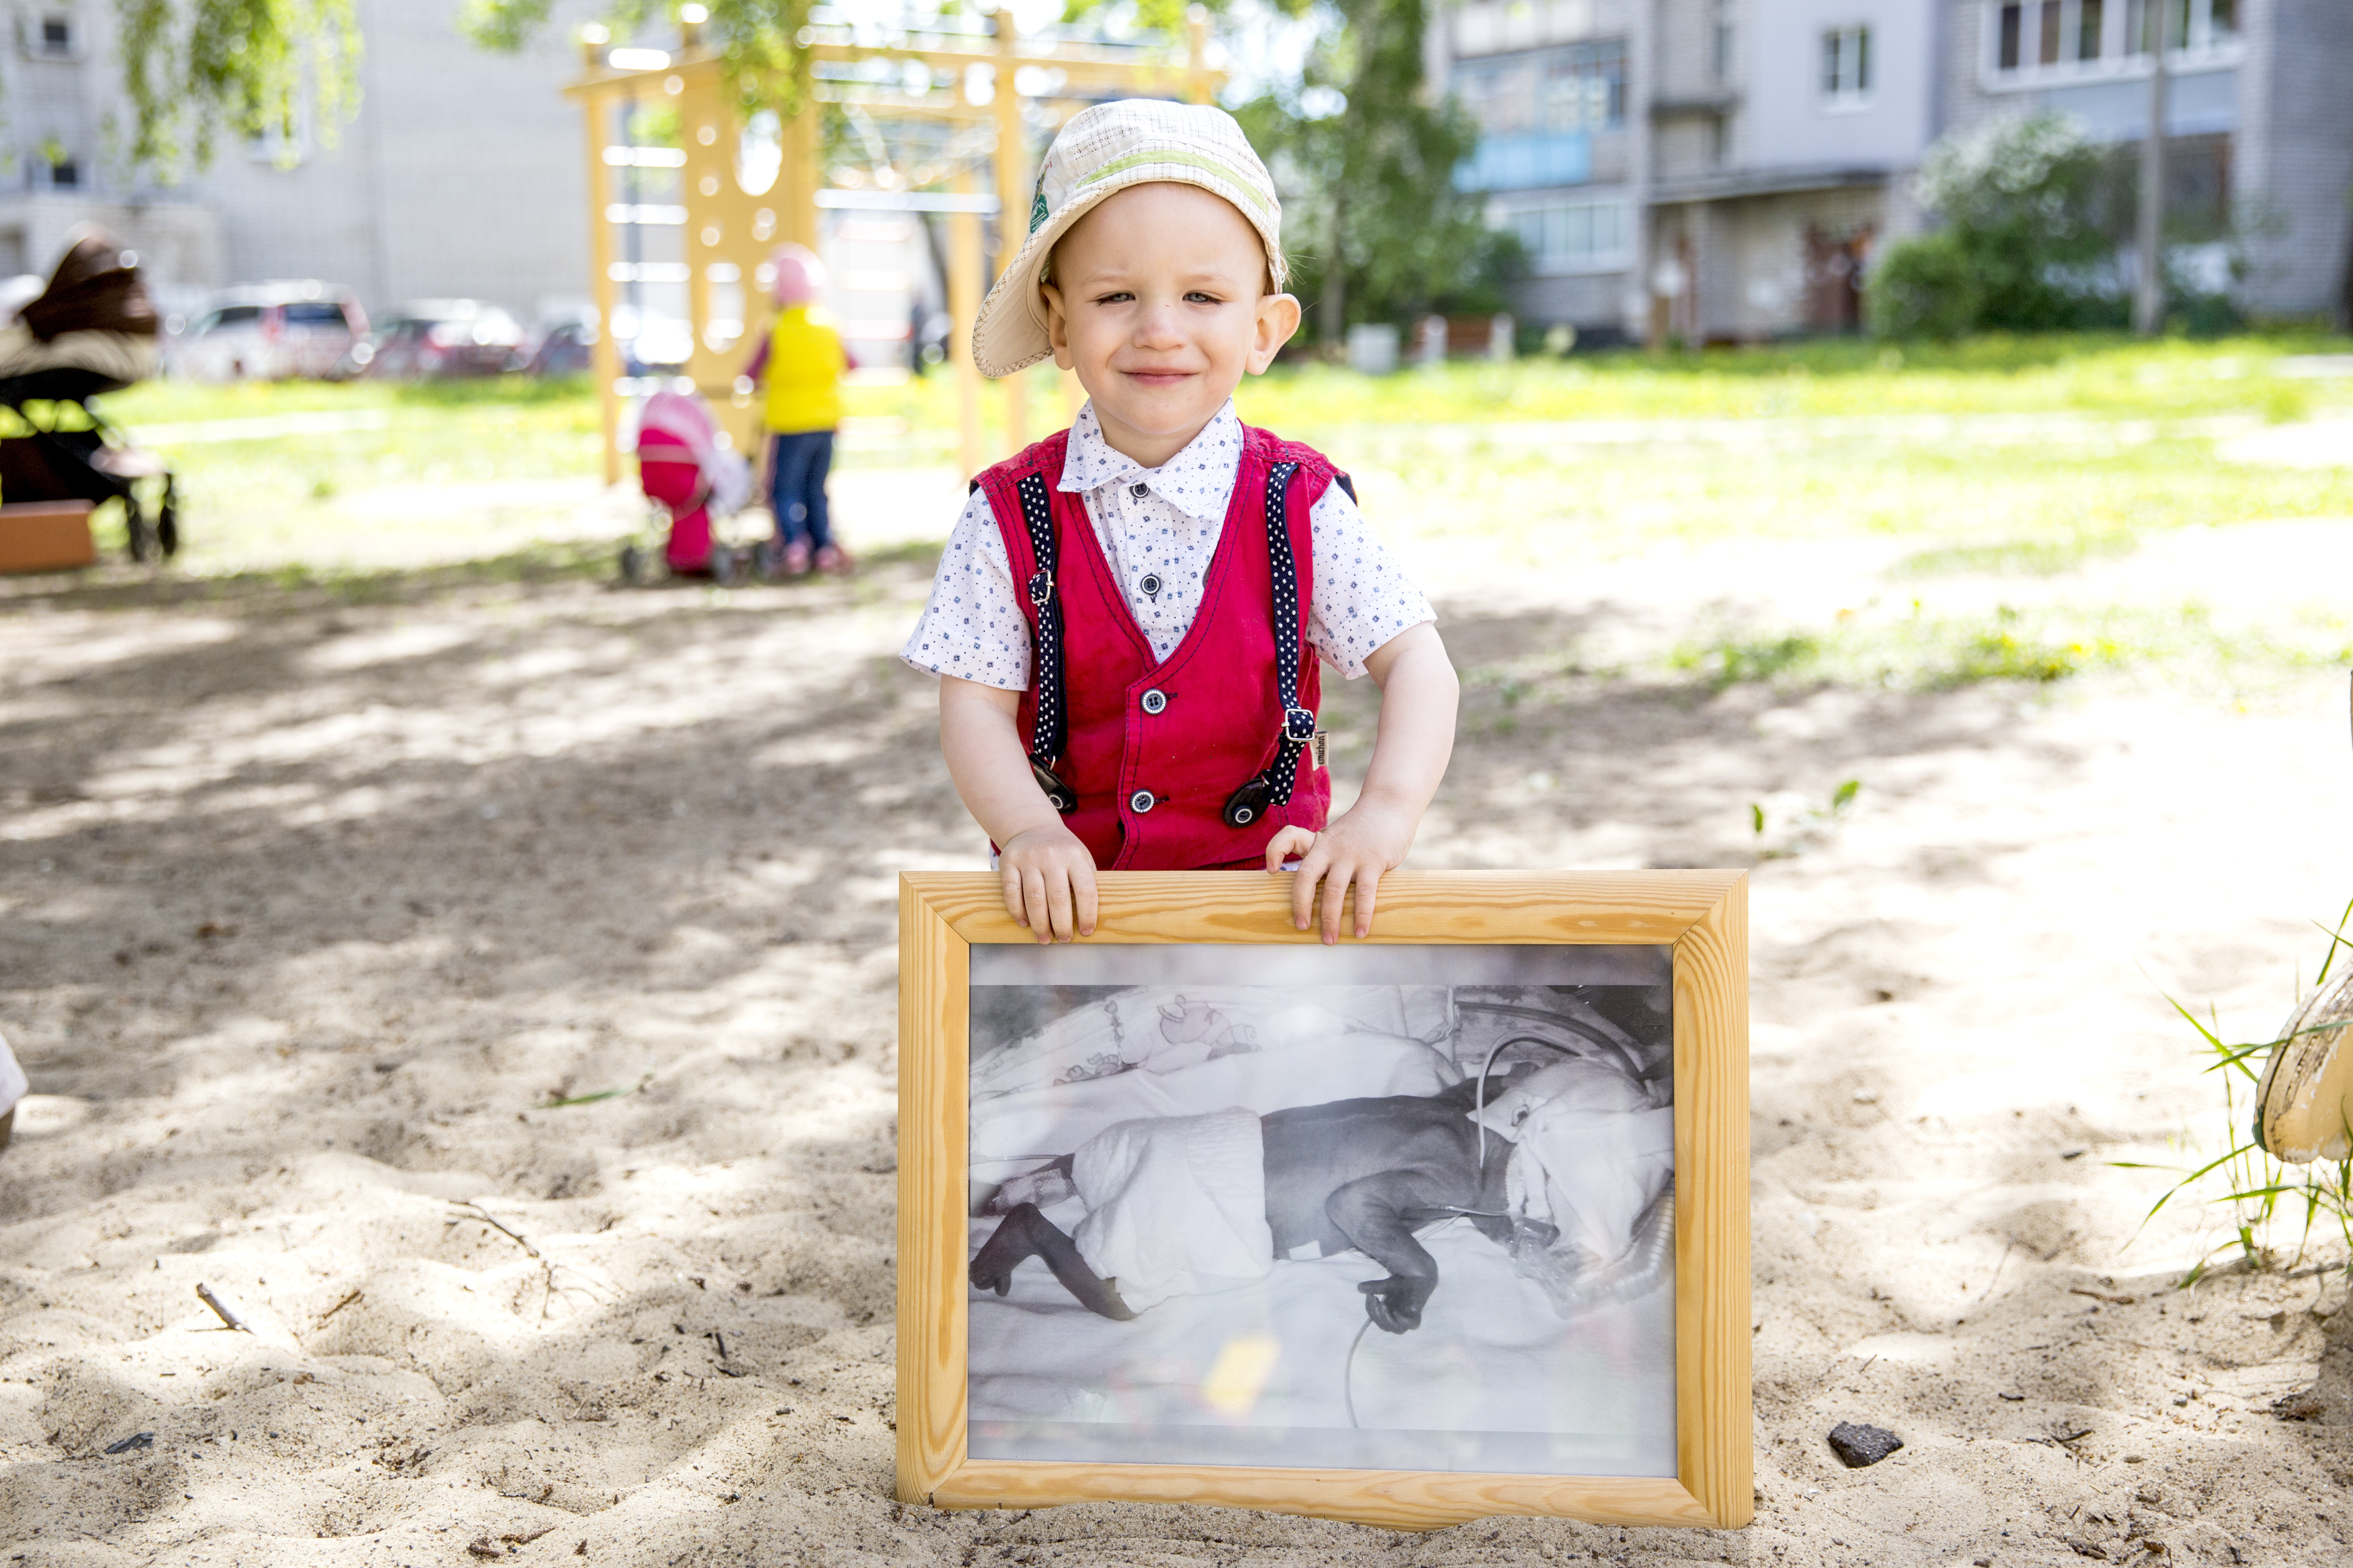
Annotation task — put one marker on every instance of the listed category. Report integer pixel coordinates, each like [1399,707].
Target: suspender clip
[1247,804]
[1065,800]
[1298,725]
[1041,589]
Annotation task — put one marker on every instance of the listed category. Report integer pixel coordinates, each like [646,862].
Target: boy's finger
[1368,885]
[1011,877]
[1335,895]
[1058,904]
[1033,896]
[1289,842]
[1302,887]
[1083,884]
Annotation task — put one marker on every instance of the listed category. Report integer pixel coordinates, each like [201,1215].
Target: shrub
[1924,287]
[2022,247]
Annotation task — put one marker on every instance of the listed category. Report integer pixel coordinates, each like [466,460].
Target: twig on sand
[557,1102]
[349,1297]
[1998,1267]
[492,1220]
[222,1310]
[2111,1297]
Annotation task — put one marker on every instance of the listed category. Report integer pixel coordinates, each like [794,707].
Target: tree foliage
[756,38]
[1366,163]
[195,70]
[2022,247]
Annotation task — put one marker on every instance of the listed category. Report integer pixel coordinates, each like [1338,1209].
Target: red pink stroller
[682,468]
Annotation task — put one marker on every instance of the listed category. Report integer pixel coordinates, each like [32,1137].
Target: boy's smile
[1159,305]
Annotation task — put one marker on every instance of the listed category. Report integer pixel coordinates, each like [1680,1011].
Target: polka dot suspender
[1050,725]
[1272,786]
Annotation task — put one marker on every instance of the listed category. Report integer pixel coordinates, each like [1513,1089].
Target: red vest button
[1140,801]
[1154,701]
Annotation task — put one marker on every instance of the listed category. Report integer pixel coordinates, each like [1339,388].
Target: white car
[269,331]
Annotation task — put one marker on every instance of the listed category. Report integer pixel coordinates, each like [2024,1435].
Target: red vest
[1185,732]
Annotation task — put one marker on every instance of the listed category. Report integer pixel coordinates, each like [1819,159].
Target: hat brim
[1009,333]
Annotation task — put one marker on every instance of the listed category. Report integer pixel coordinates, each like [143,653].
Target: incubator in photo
[1386,1207]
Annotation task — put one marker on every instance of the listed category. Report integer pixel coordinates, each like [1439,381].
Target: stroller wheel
[167,529]
[135,530]
[726,567]
[767,559]
[633,565]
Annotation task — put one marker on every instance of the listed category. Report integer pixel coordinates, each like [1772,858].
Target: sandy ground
[310,903]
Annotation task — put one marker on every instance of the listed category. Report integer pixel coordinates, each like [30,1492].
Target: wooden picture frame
[1701,914]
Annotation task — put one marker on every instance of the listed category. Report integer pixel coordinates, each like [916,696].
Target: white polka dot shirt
[1159,528]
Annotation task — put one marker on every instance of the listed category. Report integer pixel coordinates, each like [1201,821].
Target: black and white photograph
[1395,1208]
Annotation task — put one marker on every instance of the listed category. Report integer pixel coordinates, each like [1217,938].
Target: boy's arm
[1419,692]
[1048,876]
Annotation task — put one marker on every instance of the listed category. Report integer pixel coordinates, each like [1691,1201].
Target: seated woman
[94,316]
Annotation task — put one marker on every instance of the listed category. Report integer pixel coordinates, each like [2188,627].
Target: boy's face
[1159,304]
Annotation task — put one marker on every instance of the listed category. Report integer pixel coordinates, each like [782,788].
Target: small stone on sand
[1858,1445]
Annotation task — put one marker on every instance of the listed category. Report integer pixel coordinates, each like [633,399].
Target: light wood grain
[1653,907]
[1703,913]
[1713,1378]
[1399,1499]
[935,1018]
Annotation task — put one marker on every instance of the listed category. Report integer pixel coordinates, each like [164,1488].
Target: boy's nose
[1159,329]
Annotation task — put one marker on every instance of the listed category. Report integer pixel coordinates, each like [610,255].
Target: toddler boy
[1128,620]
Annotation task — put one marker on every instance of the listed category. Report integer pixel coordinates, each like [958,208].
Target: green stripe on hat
[1225,172]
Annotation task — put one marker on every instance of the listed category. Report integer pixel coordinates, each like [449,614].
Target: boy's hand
[1409,752]
[1355,850]
[1049,882]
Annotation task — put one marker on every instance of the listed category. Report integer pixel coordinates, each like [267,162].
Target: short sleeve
[1363,598]
[972,626]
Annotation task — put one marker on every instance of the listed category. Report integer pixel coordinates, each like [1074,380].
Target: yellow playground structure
[740,189]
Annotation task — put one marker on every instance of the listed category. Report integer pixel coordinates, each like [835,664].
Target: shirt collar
[1198,481]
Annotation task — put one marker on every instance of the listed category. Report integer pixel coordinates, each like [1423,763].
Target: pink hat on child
[799,276]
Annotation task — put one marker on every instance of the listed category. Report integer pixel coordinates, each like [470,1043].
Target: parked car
[568,349]
[439,337]
[269,331]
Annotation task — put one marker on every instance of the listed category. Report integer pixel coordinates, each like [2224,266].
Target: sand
[310,906]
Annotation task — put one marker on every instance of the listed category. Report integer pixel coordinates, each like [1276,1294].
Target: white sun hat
[1104,150]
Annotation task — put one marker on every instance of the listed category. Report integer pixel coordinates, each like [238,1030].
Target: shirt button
[1140,801]
[1154,701]
[1139,490]
[1150,584]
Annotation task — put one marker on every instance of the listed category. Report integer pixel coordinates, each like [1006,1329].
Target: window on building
[1575,237]
[1723,41]
[56,36]
[1846,64]
[65,174]
[2029,39]
[1541,92]
[2088,31]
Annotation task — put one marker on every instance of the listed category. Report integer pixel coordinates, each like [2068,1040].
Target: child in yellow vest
[802,361]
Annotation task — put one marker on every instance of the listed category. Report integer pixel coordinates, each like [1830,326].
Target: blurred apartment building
[459,175]
[1724,169]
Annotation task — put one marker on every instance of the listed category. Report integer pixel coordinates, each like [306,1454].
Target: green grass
[1924,652]
[2013,457]
[2062,550]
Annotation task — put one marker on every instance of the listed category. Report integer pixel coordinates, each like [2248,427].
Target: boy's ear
[1057,326]
[1278,318]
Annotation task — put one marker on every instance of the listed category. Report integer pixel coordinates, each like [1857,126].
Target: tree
[2022,247]
[193,69]
[1365,162]
[755,37]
